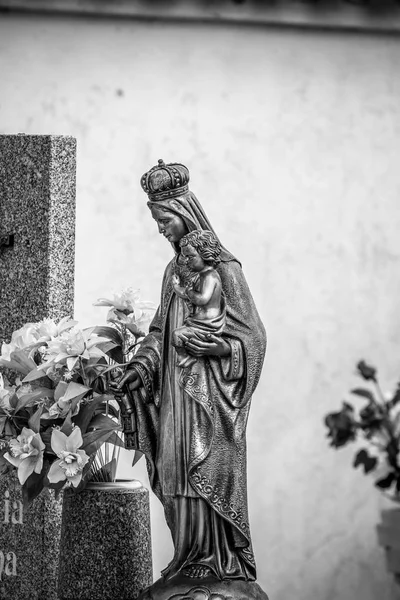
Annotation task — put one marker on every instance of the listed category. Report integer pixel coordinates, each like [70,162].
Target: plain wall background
[292,140]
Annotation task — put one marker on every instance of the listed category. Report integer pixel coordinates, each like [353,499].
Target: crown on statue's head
[165,181]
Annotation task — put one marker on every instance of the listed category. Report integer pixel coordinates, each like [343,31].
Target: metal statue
[191,384]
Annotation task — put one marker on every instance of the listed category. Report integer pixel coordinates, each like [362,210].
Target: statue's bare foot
[197,571]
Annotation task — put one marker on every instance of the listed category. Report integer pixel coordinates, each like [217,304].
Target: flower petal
[39,463]
[74,441]
[84,457]
[60,390]
[71,362]
[12,459]
[26,468]
[55,473]
[75,481]
[58,441]
[37,442]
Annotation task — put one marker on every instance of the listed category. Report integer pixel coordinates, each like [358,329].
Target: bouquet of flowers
[56,415]
[377,422]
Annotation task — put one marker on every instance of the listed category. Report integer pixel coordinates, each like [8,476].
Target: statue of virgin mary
[191,423]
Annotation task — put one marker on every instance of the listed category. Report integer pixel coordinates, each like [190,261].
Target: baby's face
[193,258]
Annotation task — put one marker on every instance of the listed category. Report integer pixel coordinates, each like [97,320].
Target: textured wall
[293,142]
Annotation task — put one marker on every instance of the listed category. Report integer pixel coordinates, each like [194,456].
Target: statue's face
[170,225]
[193,259]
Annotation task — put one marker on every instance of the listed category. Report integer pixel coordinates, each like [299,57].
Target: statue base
[181,587]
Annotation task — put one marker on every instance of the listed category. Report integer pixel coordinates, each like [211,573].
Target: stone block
[29,543]
[105,543]
[37,234]
[37,208]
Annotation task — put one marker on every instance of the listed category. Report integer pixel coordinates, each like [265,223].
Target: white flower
[26,453]
[22,338]
[72,460]
[127,303]
[72,345]
[67,398]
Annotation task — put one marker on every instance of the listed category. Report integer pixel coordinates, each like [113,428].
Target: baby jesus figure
[201,251]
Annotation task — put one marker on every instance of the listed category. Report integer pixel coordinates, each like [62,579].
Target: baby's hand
[175,279]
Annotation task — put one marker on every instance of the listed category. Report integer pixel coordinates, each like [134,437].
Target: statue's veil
[191,212]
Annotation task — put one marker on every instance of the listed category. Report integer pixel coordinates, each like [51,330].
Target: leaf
[68,425]
[86,413]
[137,457]
[109,332]
[116,354]
[75,391]
[364,393]
[93,440]
[56,486]
[363,458]
[34,421]
[116,440]
[32,488]
[107,472]
[105,423]
[14,400]
[60,390]
[25,401]
[30,398]
[386,482]
[134,329]
[34,375]
[2,423]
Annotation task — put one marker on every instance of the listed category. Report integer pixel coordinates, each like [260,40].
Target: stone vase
[29,543]
[105,547]
[389,538]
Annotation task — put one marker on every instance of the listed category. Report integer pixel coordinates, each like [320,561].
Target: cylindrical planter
[29,543]
[389,537]
[105,546]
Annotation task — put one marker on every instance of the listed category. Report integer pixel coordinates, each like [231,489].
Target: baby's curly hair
[205,243]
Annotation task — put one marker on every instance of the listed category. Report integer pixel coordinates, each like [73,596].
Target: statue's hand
[131,379]
[208,345]
[175,279]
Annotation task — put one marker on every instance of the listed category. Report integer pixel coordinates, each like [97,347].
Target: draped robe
[191,425]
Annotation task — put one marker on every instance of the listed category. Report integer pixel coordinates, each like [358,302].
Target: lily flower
[71,346]
[21,338]
[67,398]
[32,335]
[26,453]
[126,303]
[72,460]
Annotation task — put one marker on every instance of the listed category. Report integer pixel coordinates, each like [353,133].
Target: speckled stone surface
[209,588]
[29,543]
[105,545]
[37,206]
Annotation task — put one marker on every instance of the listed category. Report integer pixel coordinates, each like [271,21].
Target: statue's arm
[145,364]
[234,365]
[205,294]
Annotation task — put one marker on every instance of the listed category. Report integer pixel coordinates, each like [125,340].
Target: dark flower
[396,398]
[371,416]
[342,426]
[387,481]
[366,371]
[366,460]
